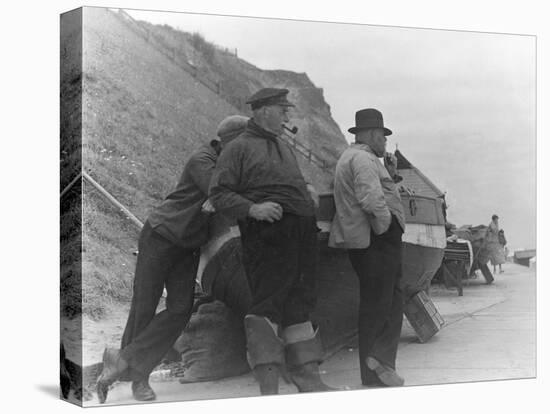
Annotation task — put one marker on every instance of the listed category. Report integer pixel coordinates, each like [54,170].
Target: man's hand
[268,211]
[207,207]
[381,224]
[314,195]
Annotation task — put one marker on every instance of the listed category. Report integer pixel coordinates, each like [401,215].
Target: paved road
[490,334]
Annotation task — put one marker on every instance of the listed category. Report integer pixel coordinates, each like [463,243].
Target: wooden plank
[113,200]
[70,185]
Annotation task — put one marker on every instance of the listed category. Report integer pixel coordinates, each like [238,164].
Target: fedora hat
[368,119]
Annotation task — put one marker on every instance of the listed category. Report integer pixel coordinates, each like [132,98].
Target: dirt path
[96,335]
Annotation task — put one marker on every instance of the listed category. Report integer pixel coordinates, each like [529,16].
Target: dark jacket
[179,217]
[257,167]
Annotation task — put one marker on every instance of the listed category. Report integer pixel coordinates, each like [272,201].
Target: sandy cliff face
[151,96]
[235,79]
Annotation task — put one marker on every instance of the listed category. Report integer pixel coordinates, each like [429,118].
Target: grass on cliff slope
[142,118]
[109,241]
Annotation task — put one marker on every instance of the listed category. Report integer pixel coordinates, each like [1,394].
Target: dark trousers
[149,335]
[378,268]
[280,261]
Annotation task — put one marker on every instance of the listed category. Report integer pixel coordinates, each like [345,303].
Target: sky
[461,104]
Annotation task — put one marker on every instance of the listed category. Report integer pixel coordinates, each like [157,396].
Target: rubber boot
[308,379]
[267,376]
[265,352]
[303,359]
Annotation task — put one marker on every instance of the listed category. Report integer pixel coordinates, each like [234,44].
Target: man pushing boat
[168,257]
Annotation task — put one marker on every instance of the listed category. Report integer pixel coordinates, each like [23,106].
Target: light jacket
[365,197]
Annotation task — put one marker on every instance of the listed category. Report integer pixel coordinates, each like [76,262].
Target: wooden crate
[423,316]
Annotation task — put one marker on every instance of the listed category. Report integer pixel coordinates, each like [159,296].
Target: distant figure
[495,249]
[169,246]
[502,242]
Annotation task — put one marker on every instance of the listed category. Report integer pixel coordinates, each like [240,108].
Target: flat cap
[231,127]
[269,96]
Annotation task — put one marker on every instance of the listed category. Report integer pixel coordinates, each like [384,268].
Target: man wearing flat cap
[369,223]
[257,181]
[169,245]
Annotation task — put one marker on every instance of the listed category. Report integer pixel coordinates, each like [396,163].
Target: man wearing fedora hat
[369,223]
[258,182]
[168,257]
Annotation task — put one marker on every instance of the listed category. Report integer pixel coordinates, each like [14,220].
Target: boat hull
[420,264]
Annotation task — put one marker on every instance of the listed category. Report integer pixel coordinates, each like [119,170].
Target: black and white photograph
[280,206]
[253,207]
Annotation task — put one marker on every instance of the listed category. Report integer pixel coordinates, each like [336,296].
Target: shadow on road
[49,389]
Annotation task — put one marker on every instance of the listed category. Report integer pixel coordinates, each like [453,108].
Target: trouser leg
[381,305]
[385,347]
[147,285]
[281,265]
[148,336]
[301,298]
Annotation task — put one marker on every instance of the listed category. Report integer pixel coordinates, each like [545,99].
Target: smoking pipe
[292,130]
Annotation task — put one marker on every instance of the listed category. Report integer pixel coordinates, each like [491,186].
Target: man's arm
[368,191]
[201,168]
[224,186]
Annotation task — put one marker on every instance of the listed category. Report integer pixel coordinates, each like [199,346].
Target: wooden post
[69,186]
[113,200]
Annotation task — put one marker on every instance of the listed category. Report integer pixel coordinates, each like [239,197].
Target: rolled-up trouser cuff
[263,345]
[298,332]
[303,352]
